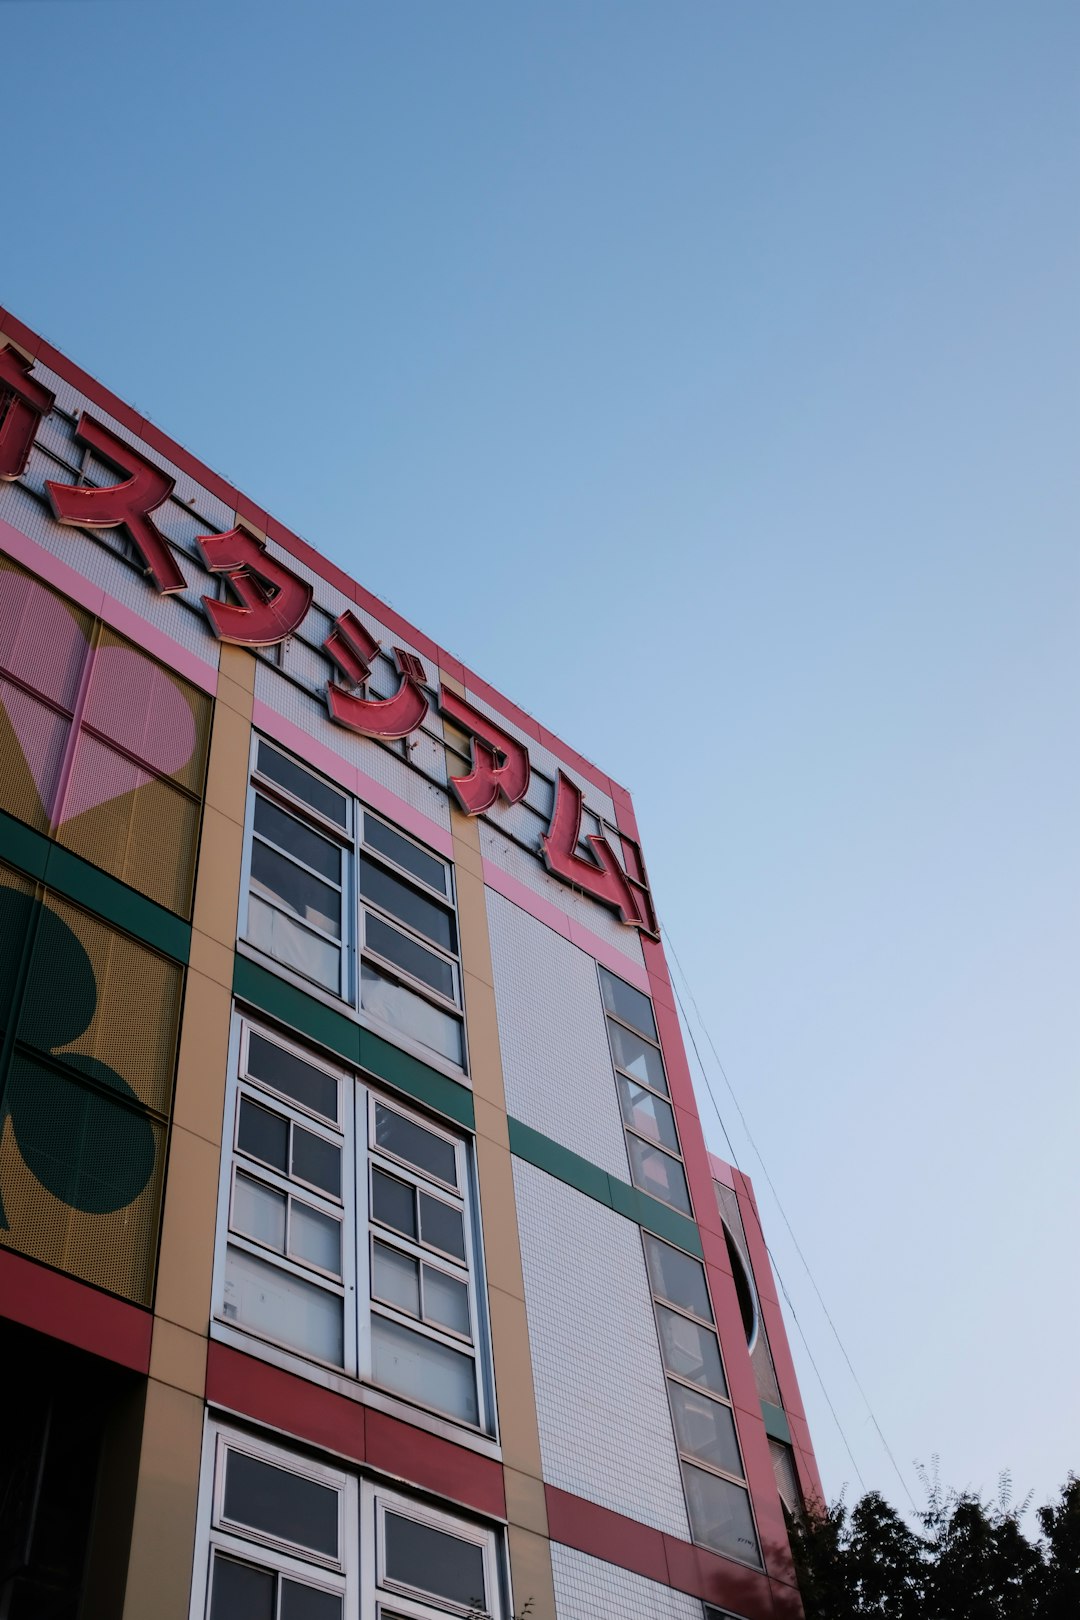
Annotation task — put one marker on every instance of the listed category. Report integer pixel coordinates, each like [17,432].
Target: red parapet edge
[72,1311]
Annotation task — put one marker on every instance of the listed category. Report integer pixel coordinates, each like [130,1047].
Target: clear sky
[707,375]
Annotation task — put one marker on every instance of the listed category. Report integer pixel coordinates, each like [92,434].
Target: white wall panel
[605,1430]
[553,1039]
[589,1589]
[528,867]
[545,761]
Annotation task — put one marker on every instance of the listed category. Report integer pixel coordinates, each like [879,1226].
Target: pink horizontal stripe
[512,888]
[351,778]
[96,600]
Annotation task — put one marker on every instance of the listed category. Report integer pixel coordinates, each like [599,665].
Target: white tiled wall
[588,1589]
[605,1430]
[553,1038]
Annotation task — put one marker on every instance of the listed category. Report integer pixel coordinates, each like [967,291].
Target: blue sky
[706,375]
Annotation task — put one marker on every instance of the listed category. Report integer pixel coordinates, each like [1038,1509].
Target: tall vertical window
[342,898]
[347,1233]
[717,1499]
[285,1538]
[652,1139]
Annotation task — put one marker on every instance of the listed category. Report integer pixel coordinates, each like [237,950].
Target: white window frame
[356,910]
[215,1533]
[384,1593]
[611,1018]
[358,1573]
[357,1099]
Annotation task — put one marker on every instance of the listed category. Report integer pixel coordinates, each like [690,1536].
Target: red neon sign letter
[352,647]
[122,506]
[28,402]
[602,877]
[500,764]
[273,600]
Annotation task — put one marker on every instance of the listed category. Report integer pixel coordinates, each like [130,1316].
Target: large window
[652,1140]
[347,1234]
[284,1538]
[717,1499]
[346,901]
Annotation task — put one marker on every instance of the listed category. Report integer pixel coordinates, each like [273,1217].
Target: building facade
[360,1253]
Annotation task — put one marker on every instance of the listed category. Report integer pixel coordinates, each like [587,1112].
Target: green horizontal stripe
[587,1178]
[359,1047]
[67,874]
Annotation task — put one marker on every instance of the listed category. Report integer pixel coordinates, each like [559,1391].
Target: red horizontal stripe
[65,1309]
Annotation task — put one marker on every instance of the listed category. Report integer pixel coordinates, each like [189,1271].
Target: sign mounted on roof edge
[272,602]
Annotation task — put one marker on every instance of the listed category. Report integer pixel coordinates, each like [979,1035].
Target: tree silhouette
[87,1140]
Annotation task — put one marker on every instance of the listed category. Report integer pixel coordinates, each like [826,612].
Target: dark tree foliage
[964,1559]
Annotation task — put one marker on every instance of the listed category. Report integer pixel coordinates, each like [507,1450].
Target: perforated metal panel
[86,1091]
[605,1429]
[589,1589]
[553,1037]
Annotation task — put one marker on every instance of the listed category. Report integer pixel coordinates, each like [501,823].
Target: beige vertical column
[163,1535]
[530,1551]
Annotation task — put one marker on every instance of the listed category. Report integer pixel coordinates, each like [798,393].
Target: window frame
[622,1074]
[357,1574]
[687,1459]
[356,909]
[357,1098]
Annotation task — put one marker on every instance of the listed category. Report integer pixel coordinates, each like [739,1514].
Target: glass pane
[264,1135]
[282,1504]
[401,900]
[297,947]
[446,1301]
[430,1560]
[315,1237]
[259,1212]
[720,1515]
[705,1429]
[690,1350]
[409,1141]
[296,839]
[280,879]
[302,785]
[388,842]
[422,1369]
[638,1058]
[240,1592]
[271,1301]
[308,1603]
[648,1114]
[405,1010]
[393,1202]
[657,1174]
[287,1073]
[441,1226]
[395,1277]
[627,1003]
[678,1277]
[412,957]
[316,1160]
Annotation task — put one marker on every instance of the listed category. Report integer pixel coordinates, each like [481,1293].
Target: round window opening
[744,1288]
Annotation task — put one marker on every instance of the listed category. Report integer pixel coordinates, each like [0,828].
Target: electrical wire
[798,1249]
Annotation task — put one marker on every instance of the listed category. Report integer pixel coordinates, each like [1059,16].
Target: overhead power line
[798,1248]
